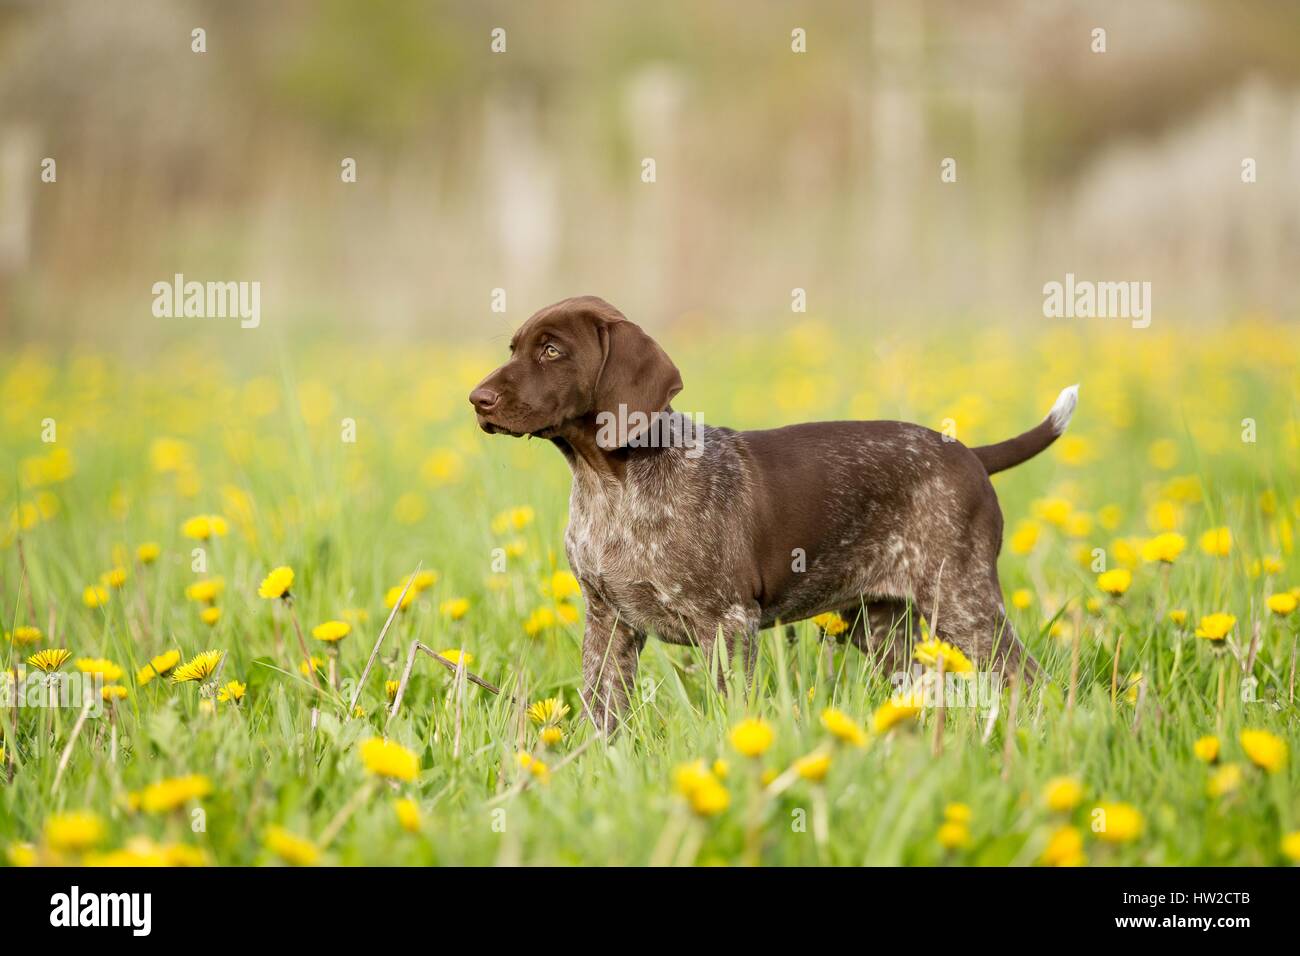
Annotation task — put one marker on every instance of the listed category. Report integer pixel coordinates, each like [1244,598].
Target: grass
[1155,446]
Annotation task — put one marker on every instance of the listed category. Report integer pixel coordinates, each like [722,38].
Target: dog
[705,533]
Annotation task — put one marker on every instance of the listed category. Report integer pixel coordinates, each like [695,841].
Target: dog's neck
[593,464]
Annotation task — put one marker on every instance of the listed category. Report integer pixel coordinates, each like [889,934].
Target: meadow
[150,511]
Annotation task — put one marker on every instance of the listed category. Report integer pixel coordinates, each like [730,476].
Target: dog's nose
[484,399]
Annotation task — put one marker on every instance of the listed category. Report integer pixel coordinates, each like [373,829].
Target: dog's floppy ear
[636,374]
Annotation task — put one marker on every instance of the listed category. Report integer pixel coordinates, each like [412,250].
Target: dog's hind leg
[967,611]
[883,629]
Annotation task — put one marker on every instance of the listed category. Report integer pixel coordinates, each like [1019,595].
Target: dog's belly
[857,568]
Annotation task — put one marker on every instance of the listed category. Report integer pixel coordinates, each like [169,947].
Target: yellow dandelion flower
[111,692]
[705,794]
[516,518]
[1165,515]
[331,631]
[540,620]
[49,660]
[203,527]
[958,813]
[408,814]
[198,668]
[1115,581]
[22,855]
[1024,538]
[147,553]
[24,635]
[1290,846]
[454,608]
[1022,598]
[564,586]
[1110,516]
[1215,627]
[317,665]
[550,736]
[953,836]
[389,759]
[113,578]
[535,767]
[721,768]
[1163,548]
[457,656]
[1206,749]
[205,591]
[276,584]
[390,690]
[1117,822]
[210,616]
[98,665]
[1062,794]
[74,832]
[421,580]
[710,799]
[1265,750]
[566,612]
[291,848]
[1178,616]
[752,736]
[843,727]
[549,711]
[1268,565]
[813,767]
[1064,848]
[1079,525]
[894,711]
[94,596]
[1217,542]
[930,653]
[1282,603]
[394,594]
[158,666]
[1224,781]
[1055,511]
[174,793]
[232,691]
[689,776]
[831,623]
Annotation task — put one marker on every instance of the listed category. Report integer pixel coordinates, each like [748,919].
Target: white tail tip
[1062,411]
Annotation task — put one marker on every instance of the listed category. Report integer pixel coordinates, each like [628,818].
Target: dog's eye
[550,352]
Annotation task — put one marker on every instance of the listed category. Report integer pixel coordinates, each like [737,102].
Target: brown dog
[689,532]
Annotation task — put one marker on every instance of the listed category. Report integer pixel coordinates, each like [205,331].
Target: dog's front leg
[610,650]
[738,629]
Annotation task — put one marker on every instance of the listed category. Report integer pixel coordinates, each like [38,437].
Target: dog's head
[569,363]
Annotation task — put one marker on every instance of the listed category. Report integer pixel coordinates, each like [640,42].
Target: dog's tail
[1009,453]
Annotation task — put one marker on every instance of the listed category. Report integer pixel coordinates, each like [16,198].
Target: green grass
[261,446]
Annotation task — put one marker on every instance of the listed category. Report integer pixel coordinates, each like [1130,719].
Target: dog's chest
[636,553]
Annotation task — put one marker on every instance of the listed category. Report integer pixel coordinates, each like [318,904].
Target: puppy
[695,533]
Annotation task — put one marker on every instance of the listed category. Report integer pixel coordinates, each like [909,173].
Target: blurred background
[522,170]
